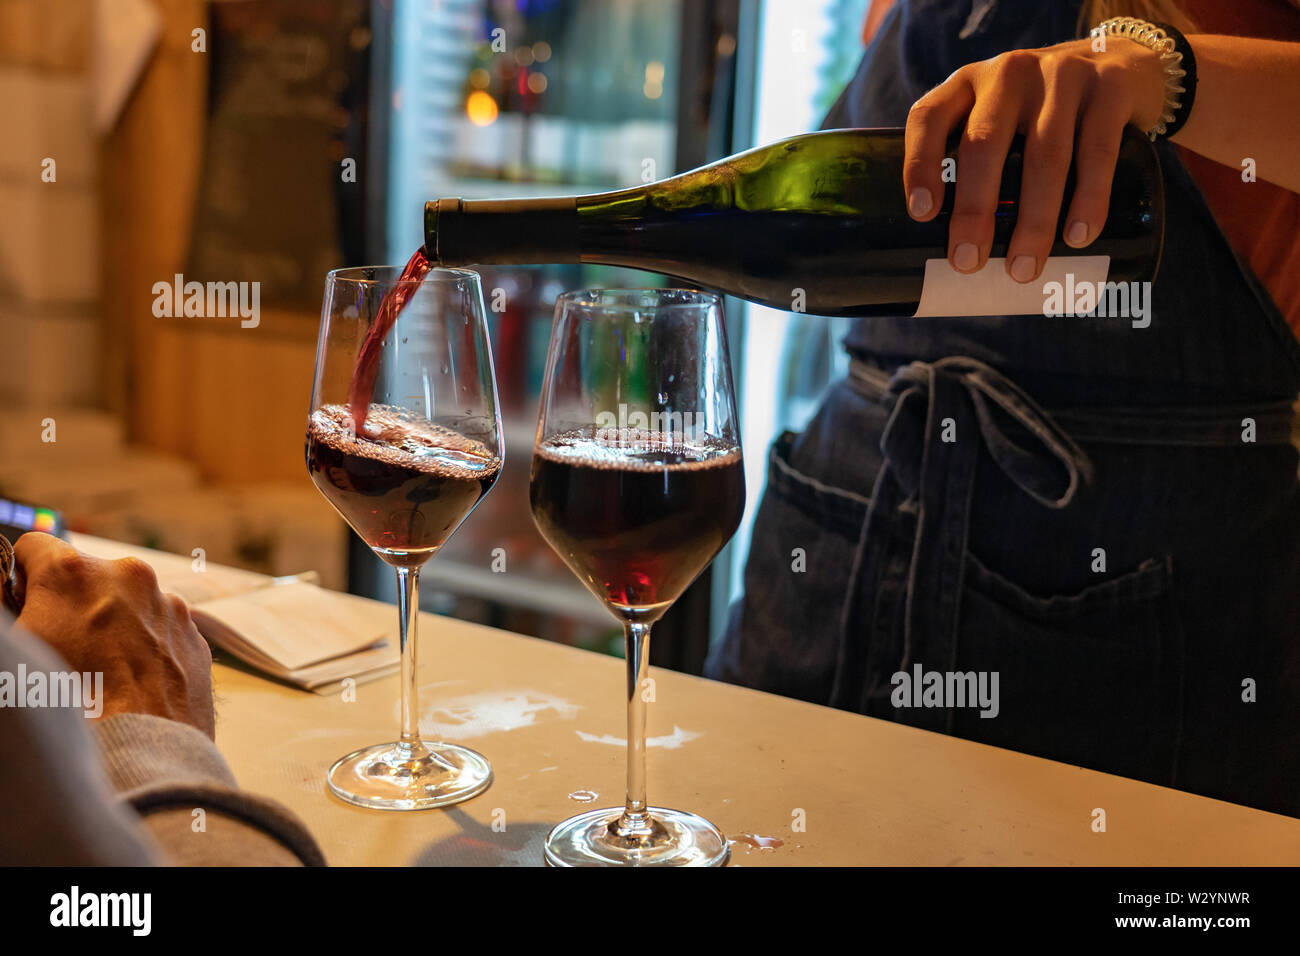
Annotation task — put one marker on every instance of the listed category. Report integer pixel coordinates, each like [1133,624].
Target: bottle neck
[461,232]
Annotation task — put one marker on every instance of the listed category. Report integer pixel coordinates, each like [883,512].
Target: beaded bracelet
[1176,60]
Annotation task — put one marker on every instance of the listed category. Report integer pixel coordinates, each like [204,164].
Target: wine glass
[404,473]
[637,482]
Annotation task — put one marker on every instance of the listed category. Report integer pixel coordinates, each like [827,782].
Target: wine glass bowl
[637,483]
[428,448]
[406,486]
[635,519]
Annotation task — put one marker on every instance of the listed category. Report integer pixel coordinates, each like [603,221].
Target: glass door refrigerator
[513,98]
[795,57]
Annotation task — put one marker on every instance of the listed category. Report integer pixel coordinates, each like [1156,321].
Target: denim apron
[1112,526]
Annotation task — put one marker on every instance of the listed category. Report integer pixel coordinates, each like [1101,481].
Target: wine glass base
[678,839]
[401,777]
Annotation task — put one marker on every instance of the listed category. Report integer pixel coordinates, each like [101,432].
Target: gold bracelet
[1153,37]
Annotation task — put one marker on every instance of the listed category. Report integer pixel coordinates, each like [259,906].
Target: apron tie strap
[942,413]
[1049,471]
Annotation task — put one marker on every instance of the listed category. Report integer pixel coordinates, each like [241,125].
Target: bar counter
[790,783]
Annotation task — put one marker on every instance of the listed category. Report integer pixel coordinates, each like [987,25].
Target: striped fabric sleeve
[168,772]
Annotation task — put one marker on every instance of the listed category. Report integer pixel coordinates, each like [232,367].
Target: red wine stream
[367,367]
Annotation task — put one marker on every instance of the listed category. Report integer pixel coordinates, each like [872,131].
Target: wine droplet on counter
[756,842]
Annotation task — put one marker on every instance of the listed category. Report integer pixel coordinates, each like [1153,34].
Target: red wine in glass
[404,438]
[405,485]
[637,512]
[636,515]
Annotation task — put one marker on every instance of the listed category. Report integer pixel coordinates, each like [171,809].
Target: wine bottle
[815,223]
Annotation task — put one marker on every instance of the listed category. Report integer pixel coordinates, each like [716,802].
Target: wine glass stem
[635,818]
[408,609]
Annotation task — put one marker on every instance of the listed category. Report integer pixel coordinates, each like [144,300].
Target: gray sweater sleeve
[58,807]
[177,780]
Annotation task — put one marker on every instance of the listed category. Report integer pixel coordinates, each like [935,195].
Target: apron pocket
[1093,678]
[783,634]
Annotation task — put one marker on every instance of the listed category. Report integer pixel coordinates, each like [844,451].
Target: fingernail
[1077,234]
[1024,268]
[965,257]
[920,202]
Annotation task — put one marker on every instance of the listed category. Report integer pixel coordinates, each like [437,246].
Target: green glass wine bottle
[816,223]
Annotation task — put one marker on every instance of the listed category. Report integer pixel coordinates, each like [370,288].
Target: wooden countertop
[836,788]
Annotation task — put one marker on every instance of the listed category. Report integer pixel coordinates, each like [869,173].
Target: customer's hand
[110,617]
[1070,103]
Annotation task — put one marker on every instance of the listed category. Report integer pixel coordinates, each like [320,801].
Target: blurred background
[270,141]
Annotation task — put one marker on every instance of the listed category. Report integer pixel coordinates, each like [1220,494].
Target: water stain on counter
[671,741]
[476,715]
